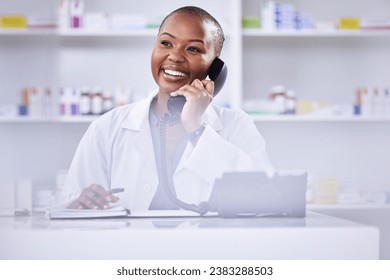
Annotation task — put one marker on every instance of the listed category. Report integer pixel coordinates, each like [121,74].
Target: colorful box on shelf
[13,21]
[311,106]
[250,22]
[349,23]
[327,190]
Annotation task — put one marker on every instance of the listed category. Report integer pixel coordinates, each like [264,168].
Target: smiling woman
[124,147]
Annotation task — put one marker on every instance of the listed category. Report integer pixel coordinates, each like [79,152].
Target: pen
[116,190]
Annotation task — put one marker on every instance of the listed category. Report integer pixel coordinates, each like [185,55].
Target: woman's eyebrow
[168,34]
[174,37]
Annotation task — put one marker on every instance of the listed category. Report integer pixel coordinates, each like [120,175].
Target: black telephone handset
[217,73]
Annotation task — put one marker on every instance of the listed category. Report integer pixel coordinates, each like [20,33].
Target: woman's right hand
[93,197]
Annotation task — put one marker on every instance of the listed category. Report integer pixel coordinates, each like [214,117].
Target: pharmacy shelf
[153,32]
[309,118]
[107,33]
[70,119]
[367,206]
[147,32]
[27,31]
[77,32]
[315,33]
[256,118]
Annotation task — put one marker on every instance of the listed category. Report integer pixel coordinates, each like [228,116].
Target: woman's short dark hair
[192,10]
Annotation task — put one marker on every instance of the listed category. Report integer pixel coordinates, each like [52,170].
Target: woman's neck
[159,105]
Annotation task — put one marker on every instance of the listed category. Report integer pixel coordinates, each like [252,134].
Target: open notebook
[64,213]
[119,212]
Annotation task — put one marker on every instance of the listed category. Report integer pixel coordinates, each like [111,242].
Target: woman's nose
[176,56]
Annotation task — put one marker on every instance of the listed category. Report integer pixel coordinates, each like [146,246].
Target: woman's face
[184,51]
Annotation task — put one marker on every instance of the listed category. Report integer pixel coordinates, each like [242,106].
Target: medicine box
[349,24]
[13,21]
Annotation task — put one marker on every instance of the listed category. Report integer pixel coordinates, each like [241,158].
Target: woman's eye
[193,49]
[165,43]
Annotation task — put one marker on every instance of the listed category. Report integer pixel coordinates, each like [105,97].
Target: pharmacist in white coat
[121,149]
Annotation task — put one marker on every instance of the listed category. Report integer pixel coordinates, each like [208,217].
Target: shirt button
[147,188]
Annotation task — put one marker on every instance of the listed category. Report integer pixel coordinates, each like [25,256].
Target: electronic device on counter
[238,194]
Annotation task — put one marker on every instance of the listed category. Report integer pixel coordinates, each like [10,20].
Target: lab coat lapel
[210,118]
[138,121]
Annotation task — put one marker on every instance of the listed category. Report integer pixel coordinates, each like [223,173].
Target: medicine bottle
[291,102]
[97,102]
[85,102]
[278,97]
[108,102]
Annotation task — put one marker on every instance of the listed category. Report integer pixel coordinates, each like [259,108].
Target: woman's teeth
[174,73]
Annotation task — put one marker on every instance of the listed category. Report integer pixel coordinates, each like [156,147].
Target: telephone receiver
[217,73]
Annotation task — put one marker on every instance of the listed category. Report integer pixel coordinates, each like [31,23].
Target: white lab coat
[117,151]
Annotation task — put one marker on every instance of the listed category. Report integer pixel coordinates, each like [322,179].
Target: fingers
[94,197]
[198,84]
[209,86]
[199,95]
[114,198]
[94,200]
[198,89]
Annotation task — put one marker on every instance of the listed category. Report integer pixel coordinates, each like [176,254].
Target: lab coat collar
[138,117]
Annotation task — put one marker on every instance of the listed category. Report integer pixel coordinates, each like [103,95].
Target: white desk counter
[314,237]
